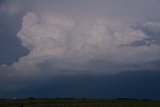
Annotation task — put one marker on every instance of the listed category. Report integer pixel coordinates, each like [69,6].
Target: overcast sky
[57,44]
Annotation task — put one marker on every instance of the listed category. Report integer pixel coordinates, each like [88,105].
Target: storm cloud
[66,40]
[74,38]
[69,43]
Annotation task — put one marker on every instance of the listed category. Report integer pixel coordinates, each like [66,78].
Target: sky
[80,48]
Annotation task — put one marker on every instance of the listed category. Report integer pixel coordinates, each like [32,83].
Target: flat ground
[78,103]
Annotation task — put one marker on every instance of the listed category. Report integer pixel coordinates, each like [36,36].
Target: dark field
[78,103]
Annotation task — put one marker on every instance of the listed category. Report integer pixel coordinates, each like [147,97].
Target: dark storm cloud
[112,67]
[142,84]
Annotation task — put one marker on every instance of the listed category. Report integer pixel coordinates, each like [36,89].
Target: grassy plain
[78,103]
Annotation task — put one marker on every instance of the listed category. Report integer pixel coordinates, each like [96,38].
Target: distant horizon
[73,98]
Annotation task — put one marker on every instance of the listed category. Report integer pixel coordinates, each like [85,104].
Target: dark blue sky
[87,48]
[124,85]
[9,44]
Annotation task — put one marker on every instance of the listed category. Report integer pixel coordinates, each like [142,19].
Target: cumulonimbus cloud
[79,37]
[59,44]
